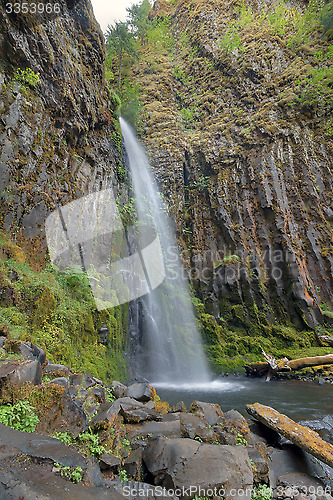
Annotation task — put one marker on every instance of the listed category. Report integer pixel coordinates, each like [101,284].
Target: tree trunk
[120,67]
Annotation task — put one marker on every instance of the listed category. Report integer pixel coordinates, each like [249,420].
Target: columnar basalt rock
[246,170]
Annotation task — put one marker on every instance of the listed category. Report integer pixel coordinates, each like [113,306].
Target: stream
[297,399]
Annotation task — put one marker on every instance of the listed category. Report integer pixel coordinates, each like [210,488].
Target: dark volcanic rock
[63,415]
[193,426]
[55,368]
[211,412]
[118,389]
[19,372]
[140,392]
[134,412]
[177,463]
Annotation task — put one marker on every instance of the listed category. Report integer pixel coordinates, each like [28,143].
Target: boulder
[185,463]
[118,389]
[178,407]
[18,373]
[140,392]
[107,412]
[60,381]
[211,412]
[260,465]
[32,352]
[134,412]
[37,478]
[133,464]
[108,461]
[85,381]
[307,439]
[155,429]
[61,414]
[193,426]
[57,369]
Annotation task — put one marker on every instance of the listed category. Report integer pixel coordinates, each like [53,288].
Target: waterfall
[165,342]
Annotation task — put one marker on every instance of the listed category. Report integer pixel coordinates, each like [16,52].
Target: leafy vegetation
[262,492]
[74,474]
[27,77]
[240,440]
[56,310]
[20,416]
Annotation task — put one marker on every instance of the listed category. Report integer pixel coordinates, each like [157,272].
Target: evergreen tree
[119,42]
[138,19]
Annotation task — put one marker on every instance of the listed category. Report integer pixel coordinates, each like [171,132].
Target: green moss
[56,311]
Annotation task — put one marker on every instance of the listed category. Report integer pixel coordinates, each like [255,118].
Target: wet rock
[118,389]
[211,412]
[324,427]
[177,463]
[307,439]
[140,392]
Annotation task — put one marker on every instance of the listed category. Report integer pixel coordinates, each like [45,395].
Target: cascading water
[166,346]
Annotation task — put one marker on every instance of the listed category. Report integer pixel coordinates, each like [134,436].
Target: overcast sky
[107,11]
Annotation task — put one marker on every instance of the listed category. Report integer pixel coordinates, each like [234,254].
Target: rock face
[56,134]
[181,463]
[307,439]
[244,163]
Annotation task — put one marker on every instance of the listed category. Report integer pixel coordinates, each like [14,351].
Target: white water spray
[166,346]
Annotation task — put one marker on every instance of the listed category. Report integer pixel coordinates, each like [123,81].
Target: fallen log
[303,437]
[272,367]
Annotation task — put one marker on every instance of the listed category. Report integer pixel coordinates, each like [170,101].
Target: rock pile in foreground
[122,441]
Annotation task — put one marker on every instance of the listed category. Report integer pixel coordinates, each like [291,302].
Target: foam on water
[213,386]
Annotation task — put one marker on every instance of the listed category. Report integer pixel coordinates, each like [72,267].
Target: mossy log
[271,367]
[307,439]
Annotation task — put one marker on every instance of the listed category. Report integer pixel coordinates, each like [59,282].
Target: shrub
[20,416]
[27,77]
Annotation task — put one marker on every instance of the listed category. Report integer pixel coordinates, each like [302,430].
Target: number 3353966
[32,8]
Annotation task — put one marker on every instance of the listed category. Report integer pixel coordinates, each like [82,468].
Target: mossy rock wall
[242,149]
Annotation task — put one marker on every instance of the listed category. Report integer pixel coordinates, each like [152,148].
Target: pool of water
[299,400]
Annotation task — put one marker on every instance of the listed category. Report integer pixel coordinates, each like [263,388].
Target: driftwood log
[273,366]
[307,439]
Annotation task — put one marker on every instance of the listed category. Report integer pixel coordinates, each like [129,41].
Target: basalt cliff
[236,116]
